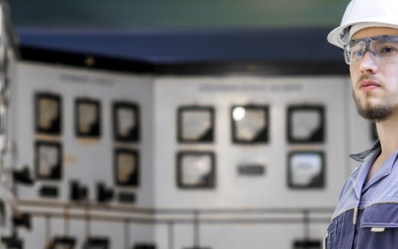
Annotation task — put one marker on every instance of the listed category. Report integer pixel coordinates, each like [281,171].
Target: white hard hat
[362,14]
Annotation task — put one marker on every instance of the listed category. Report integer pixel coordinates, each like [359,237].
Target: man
[366,216]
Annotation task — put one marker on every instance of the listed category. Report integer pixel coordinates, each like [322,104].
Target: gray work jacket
[366,216]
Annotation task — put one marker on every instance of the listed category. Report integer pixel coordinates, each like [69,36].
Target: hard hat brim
[336,36]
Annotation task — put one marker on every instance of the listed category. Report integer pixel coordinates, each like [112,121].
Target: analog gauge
[250,124]
[195,124]
[195,170]
[306,169]
[126,122]
[48,160]
[48,113]
[126,167]
[306,124]
[88,118]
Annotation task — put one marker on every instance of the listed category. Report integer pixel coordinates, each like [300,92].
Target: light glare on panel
[238,113]
[250,124]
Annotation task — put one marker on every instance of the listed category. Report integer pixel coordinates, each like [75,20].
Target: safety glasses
[383,47]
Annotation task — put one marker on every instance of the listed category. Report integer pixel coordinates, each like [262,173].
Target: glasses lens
[354,52]
[382,47]
[386,48]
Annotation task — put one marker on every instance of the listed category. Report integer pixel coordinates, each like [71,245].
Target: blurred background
[173,124]
[178,30]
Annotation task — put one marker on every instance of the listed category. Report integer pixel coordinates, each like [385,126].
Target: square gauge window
[88,118]
[306,169]
[196,170]
[306,124]
[96,243]
[48,116]
[126,122]
[126,167]
[250,124]
[63,242]
[195,124]
[48,160]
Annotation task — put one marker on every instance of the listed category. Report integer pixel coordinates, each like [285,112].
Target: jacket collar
[360,157]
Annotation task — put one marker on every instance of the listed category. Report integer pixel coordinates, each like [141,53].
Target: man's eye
[387,49]
[357,53]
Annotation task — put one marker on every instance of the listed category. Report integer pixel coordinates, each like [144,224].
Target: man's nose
[368,62]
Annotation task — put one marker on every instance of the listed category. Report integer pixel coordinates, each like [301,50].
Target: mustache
[367,77]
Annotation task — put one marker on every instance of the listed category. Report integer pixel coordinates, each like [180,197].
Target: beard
[376,113]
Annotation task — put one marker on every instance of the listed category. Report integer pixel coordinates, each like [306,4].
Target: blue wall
[183,45]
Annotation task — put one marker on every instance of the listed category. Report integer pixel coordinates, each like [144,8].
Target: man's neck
[387,132]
